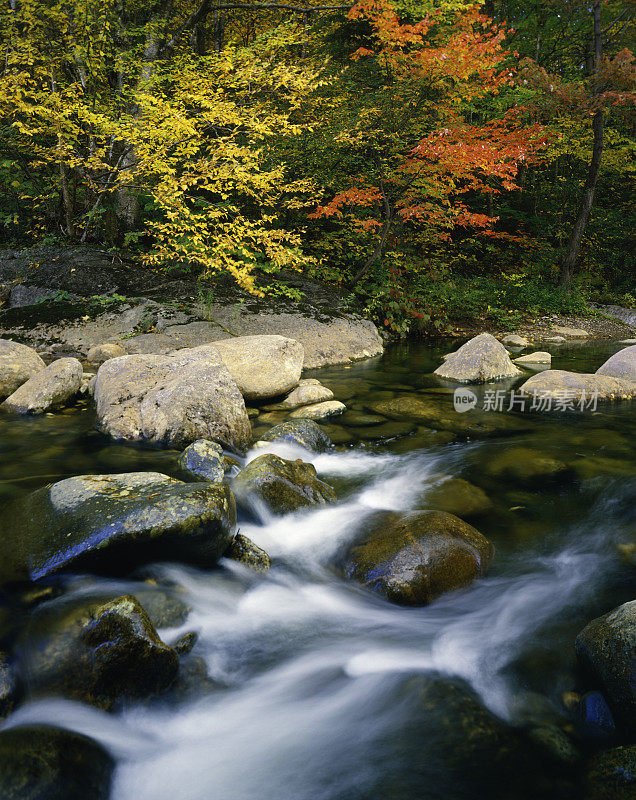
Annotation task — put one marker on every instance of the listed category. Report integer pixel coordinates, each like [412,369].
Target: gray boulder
[102,352]
[113,523]
[18,363]
[413,558]
[51,387]
[573,333]
[606,649]
[203,461]
[558,384]
[97,652]
[262,366]
[514,340]
[330,408]
[171,400]
[621,365]
[302,432]
[481,359]
[540,357]
[306,393]
[281,485]
[39,762]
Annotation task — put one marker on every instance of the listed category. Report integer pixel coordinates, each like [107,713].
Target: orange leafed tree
[426,147]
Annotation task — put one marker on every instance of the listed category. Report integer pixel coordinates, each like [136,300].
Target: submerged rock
[113,523]
[457,496]
[203,461]
[246,552]
[331,408]
[621,365]
[98,653]
[302,432]
[171,400]
[526,467]
[48,389]
[611,775]
[413,558]
[563,387]
[262,366]
[39,762]
[481,359]
[282,485]
[18,363]
[606,649]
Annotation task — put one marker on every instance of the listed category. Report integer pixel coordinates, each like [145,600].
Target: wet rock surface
[39,762]
[282,486]
[203,461]
[99,653]
[413,558]
[302,432]
[113,523]
[246,552]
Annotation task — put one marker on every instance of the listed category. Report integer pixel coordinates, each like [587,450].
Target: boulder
[39,762]
[281,485]
[526,467]
[576,387]
[621,365]
[171,400]
[262,366]
[48,389]
[594,717]
[481,359]
[413,558]
[306,393]
[540,357]
[203,461]
[18,363]
[302,432]
[457,496]
[8,686]
[606,649]
[246,552]
[102,352]
[98,653]
[114,523]
[572,333]
[330,408]
[554,339]
[611,775]
[515,340]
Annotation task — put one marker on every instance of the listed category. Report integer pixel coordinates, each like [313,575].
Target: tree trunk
[568,264]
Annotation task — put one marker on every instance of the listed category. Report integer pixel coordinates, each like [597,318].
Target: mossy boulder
[99,653]
[611,775]
[113,523]
[606,649]
[281,485]
[457,496]
[203,461]
[413,558]
[526,467]
[39,762]
[302,432]
[246,552]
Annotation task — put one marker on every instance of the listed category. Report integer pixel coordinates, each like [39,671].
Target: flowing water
[317,686]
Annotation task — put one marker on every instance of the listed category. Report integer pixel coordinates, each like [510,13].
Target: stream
[316,685]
